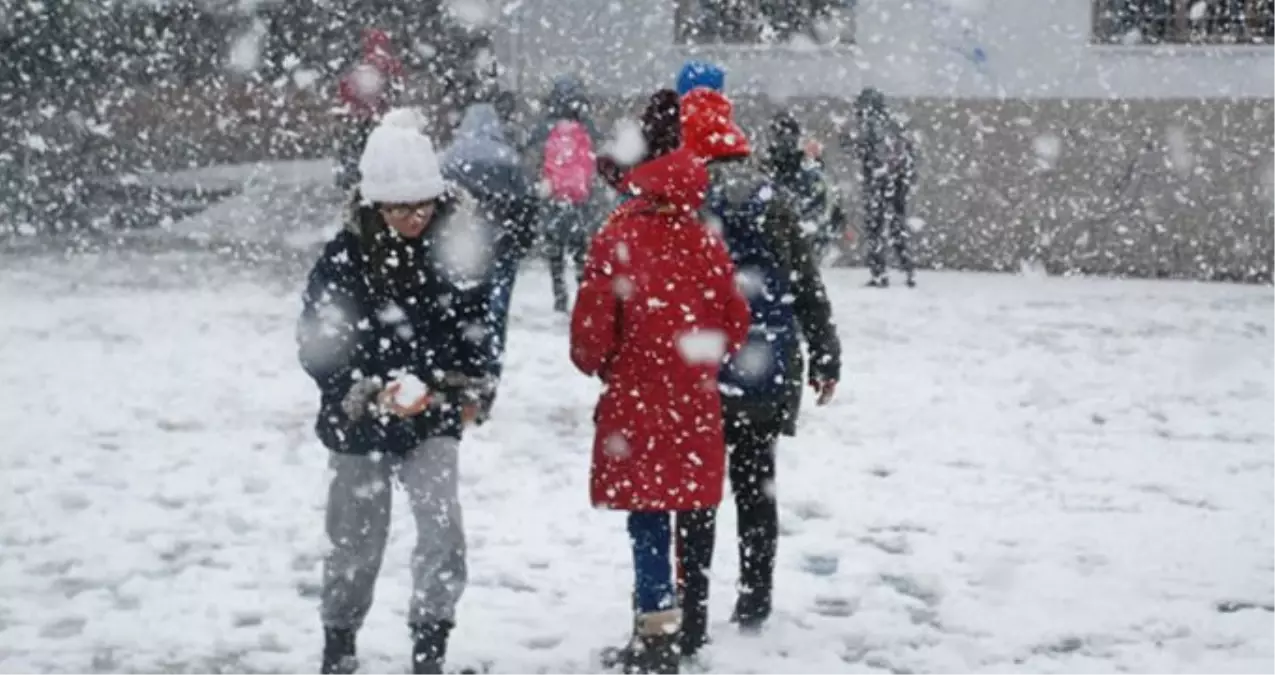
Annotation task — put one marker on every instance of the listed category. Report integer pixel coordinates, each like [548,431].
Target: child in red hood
[366,92]
[657,310]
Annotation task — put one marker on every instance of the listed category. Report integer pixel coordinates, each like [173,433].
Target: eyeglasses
[399,211]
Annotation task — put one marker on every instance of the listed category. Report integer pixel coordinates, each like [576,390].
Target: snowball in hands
[409,390]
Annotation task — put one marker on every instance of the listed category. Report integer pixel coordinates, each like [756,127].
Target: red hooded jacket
[365,89]
[656,311]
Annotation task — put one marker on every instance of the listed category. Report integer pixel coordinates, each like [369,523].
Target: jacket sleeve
[595,319]
[473,321]
[327,331]
[814,313]
[810,302]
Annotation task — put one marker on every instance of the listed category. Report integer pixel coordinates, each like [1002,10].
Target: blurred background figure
[562,148]
[366,91]
[889,172]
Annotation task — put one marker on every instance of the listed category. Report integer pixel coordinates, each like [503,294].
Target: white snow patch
[1125,528]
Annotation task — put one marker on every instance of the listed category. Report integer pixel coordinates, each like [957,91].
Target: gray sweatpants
[358,524]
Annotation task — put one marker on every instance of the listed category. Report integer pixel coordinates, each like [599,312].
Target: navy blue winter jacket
[377,305]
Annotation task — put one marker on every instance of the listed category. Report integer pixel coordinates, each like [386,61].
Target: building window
[765,22]
[1153,22]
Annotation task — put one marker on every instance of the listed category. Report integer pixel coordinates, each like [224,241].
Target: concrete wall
[1165,188]
[1034,49]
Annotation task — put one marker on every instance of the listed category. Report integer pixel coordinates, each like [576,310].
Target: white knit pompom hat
[399,165]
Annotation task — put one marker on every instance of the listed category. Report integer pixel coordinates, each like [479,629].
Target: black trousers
[886,227]
[750,443]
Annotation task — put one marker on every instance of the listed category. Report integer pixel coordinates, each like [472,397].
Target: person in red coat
[656,312]
[366,92]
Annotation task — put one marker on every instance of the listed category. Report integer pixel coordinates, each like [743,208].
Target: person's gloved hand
[359,398]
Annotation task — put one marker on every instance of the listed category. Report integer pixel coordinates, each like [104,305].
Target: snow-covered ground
[1020,474]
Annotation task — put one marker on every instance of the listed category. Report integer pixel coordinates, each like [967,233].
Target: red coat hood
[709,128]
[679,179]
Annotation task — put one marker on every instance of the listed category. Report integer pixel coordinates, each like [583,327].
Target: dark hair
[661,124]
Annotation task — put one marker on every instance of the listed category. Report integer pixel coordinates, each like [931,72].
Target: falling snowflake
[622,287]
[915,223]
[470,13]
[615,446]
[750,281]
[702,347]
[245,51]
[1048,148]
[622,252]
[753,361]
[715,225]
[367,82]
[391,314]
[629,146]
[464,244]
[1178,145]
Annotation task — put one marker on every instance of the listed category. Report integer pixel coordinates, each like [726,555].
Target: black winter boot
[429,648]
[752,608]
[338,652]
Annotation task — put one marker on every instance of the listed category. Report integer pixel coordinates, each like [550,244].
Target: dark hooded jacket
[801,181]
[377,305]
[882,143]
[736,182]
[483,162]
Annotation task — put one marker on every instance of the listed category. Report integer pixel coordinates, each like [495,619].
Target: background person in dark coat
[388,334]
[765,240]
[486,165]
[801,178]
[889,172]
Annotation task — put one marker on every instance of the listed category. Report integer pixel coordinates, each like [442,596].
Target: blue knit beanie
[700,74]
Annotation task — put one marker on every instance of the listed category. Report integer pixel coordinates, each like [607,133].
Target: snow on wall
[961,48]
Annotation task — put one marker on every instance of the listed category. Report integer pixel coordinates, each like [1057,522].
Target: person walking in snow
[564,145]
[365,91]
[762,384]
[483,162]
[889,172]
[387,333]
[656,311]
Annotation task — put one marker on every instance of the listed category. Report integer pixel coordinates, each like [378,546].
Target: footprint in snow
[542,642]
[811,510]
[892,543]
[820,564]
[836,607]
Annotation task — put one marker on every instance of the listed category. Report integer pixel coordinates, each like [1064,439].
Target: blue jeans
[651,536]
